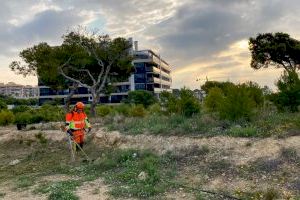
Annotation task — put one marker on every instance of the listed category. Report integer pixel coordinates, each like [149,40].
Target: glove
[89,129]
[70,132]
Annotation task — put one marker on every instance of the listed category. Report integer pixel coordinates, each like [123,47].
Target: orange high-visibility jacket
[77,121]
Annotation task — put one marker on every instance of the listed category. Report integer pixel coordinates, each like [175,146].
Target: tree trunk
[69,97]
[94,103]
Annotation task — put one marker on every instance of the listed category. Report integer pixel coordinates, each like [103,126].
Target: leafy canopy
[275,49]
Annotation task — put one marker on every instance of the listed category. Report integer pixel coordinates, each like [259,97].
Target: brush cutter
[73,146]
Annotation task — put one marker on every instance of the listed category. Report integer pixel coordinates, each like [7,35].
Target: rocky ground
[232,165]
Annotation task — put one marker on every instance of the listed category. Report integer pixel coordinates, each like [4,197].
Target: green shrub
[3,105]
[188,103]
[223,86]
[143,97]
[288,97]
[137,111]
[255,92]
[103,110]
[237,105]
[20,108]
[50,113]
[23,118]
[154,109]
[6,117]
[123,109]
[169,102]
[214,99]
[87,109]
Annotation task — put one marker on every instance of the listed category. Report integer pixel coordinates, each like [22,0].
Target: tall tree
[42,60]
[91,61]
[107,61]
[275,49]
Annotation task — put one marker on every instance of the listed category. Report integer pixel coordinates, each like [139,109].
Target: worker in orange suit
[77,123]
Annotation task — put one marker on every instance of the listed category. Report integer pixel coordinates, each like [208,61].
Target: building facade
[18,91]
[152,73]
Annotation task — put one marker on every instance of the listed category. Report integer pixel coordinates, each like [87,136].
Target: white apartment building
[18,91]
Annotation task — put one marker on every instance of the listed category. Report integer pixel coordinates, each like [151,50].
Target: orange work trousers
[78,136]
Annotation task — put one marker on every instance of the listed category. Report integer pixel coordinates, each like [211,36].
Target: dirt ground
[220,168]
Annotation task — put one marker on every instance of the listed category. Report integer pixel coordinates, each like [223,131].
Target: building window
[139,67]
[150,87]
[122,88]
[141,56]
[139,78]
[140,86]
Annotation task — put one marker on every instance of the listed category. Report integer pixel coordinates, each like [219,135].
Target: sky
[200,39]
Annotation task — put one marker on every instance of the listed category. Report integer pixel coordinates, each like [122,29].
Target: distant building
[199,94]
[18,91]
[152,73]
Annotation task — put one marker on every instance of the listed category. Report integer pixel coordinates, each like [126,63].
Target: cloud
[202,28]
[46,26]
[198,38]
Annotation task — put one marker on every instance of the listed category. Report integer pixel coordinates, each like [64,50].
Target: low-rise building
[18,90]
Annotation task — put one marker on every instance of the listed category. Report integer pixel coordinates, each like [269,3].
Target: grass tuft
[25,182]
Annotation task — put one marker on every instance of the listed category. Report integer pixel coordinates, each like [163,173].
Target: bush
[20,109]
[13,101]
[254,92]
[237,105]
[168,102]
[50,113]
[186,104]
[214,99]
[3,105]
[123,109]
[137,111]
[24,118]
[288,96]
[154,109]
[103,110]
[6,117]
[143,97]
[223,86]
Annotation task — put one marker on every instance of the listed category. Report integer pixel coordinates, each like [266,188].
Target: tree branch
[70,78]
[107,72]
[84,70]
[284,66]
[91,51]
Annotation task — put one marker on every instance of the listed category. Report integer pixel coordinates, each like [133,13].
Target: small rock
[237,126]
[142,176]
[14,162]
